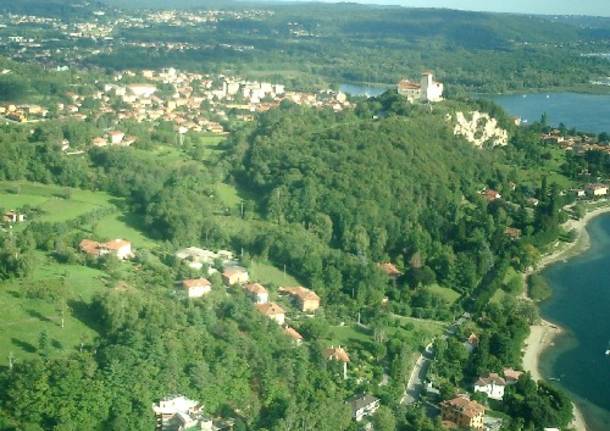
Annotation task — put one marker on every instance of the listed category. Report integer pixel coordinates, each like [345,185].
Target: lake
[585,112]
[581,305]
[362,90]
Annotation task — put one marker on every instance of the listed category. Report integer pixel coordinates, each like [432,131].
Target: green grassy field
[25,318]
[265,273]
[117,225]
[47,198]
[449,295]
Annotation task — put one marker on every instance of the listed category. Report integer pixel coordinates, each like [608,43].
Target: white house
[196,288]
[116,137]
[597,190]
[258,293]
[493,385]
[181,413]
[363,406]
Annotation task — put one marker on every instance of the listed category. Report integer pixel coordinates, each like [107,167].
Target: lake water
[361,90]
[581,305]
[585,112]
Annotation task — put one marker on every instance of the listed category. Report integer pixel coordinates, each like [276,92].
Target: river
[362,90]
[585,112]
[581,305]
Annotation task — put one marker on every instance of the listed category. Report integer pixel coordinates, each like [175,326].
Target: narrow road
[418,376]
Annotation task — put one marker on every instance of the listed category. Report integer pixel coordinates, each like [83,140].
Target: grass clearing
[449,295]
[25,318]
[265,273]
[117,225]
[48,199]
[228,195]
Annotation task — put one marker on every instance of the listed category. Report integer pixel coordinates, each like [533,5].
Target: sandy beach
[542,335]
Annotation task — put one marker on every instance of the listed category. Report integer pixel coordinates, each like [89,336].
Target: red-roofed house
[235,275]
[196,288]
[390,269]
[307,299]
[464,413]
[272,311]
[118,247]
[258,293]
[292,333]
[337,354]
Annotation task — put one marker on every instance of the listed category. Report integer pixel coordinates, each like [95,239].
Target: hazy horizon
[546,7]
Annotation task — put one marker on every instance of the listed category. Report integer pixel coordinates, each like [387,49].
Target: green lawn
[118,225]
[228,195]
[25,318]
[447,294]
[265,273]
[47,198]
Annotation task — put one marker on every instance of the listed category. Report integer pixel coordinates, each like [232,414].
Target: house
[13,217]
[258,293]
[463,412]
[390,270]
[493,385]
[196,288]
[307,299]
[363,406]
[511,376]
[292,333]
[272,311]
[513,233]
[490,195]
[235,275]
[596,190]
[116,137]
[472,342]
[410,90]
[338,354]
[117,247]
[180,413]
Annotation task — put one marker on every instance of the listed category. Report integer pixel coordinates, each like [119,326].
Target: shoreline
[543,334]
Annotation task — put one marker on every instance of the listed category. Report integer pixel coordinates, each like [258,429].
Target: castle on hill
[427,91]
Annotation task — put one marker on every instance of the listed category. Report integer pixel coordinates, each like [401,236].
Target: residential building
[307,300]
[272,311]
[491,195]
[338,354]
[596,190]
[258,293]
[292,333]
[363,406]
[233,275]
[511,376]
[463,412]
[410,90]
[390,269]
[513,233]
[13,217]
[117,247]
[196,288]
[116,137]
[179,413]
[492,385]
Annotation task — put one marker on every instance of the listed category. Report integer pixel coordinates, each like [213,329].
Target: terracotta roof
[301,293]
[390,269]
[336,354]
[405,84]
[233,270]
[196,282]
[116,244]
[491,378]
[465,406]
[292,333]
[270,309]
[512,232]
[255,288]
[90,247]
[490,194]
[511,374]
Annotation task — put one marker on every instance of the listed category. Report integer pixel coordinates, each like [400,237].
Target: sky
[548,7]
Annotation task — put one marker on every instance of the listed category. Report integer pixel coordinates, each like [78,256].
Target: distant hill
[61,8]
